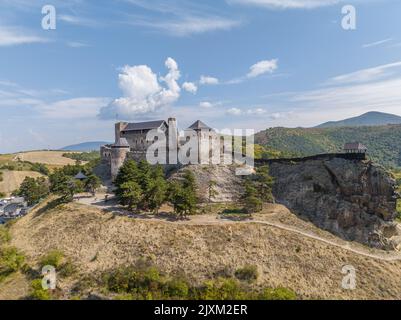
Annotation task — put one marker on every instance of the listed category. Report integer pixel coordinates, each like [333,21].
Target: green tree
[264,184]
[92,184]
[33,190]
[128,172]
[65,186]
[252,202]
[182,195]
[157,190]
[145,182]
[131,194]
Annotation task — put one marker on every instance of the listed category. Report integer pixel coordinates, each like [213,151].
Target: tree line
[60,182]
[140,186]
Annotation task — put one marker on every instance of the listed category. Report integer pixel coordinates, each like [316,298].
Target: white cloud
[366,75]
[77,108]
[207,80]
[262,67]
[206,105]
[143,91]
[187,25]
[286,4]
[249,112]
[12,36]
[348,100]
[377,43]
[256,111]
[190,87]
[77,20]
[234,112]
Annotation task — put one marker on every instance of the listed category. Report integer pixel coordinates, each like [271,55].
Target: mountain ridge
[372,118]
[85,146]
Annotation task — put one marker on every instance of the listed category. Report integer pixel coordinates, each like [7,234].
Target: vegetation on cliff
[383,142]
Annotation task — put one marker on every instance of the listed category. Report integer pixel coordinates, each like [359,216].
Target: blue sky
[249,64]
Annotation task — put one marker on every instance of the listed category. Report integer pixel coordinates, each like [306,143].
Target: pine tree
[92,183]
[264,183]
[157,189]
[128,172]
[131,195]
[252,202]
[33,190]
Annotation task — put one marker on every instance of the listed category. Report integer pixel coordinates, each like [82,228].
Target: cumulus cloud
[206,104]
[143,92]
[207,80]
[190,87]
[262,67]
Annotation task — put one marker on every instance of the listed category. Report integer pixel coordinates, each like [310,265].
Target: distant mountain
[368,119]
[383,142]
[86,146]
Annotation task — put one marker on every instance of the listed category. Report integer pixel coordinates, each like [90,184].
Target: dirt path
[98,201]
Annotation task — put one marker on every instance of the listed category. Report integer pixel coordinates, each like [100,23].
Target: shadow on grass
[49,206]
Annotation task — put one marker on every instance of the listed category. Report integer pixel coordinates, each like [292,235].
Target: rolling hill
[368,119]
[86,146]
[383,142]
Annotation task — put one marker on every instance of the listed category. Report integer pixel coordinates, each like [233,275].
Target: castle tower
[119,127]
[119,152]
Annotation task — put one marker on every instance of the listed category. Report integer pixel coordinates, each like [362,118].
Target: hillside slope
[373,118]
[13,179]
[383,142]
[98,241]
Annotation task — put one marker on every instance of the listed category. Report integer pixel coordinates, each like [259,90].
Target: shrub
[247,273]
[4,235]
[177,288]
[53,258]
[11,260]
[222,289]
[67,269]
[278,294]
[37,291]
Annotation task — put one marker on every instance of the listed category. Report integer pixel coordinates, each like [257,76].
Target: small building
[355,147]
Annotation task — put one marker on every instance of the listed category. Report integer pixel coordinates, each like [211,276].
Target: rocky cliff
[353,199]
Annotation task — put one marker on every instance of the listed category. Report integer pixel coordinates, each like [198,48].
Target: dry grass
[98,241]
[13,179]
[46,157]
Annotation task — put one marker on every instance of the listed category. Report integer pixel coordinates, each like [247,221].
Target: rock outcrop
[229,186]
[353,199]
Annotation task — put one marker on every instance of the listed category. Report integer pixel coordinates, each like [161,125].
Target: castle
[131,142]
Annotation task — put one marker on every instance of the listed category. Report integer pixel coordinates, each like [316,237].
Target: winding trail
[206,220]
[382,257]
